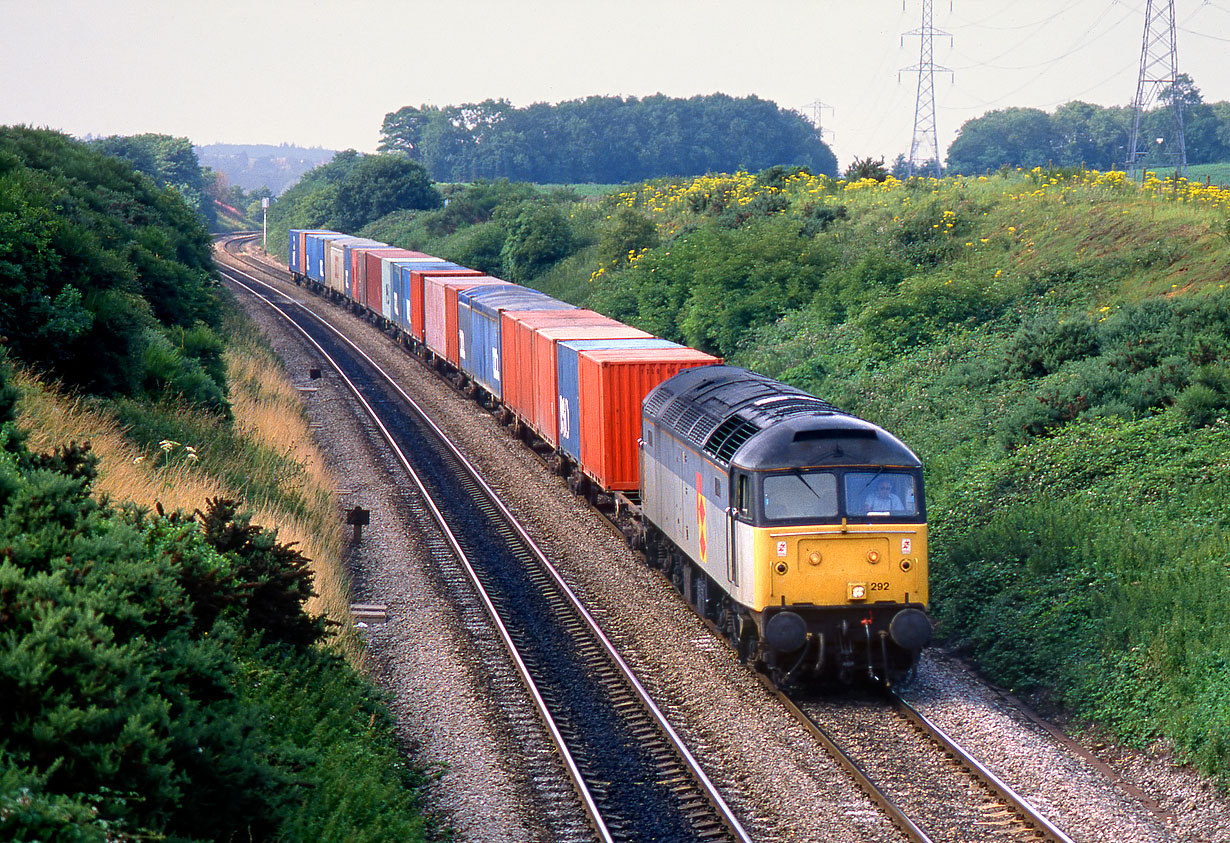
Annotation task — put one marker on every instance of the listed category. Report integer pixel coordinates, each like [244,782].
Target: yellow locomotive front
[800,530]
[840,583]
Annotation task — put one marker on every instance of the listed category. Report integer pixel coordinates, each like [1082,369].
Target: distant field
[584,190]
[1216,173]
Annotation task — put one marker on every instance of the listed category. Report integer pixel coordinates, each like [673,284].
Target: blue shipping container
[465,333]
[476,333]
[316,254]
[486,328]
[296,254]
[568,384]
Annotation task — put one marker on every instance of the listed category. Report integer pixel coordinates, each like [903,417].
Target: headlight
[856,590]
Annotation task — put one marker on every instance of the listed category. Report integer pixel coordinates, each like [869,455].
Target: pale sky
[325,73]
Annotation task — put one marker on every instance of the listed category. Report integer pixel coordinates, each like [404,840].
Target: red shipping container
[371,274]
[418,317]
[358,265]
[440,311]
[544,416]
[613,384]
[517,329]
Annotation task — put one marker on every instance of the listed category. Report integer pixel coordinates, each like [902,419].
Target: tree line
[106,279]
[604,139]
[1095,136]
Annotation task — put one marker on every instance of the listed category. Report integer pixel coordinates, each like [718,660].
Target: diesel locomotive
[798,529]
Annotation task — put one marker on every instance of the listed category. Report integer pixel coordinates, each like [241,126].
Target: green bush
[1048,342]
[920,310]
[159,678]
[479,247]
[95,261]
[538,235]
[628,233]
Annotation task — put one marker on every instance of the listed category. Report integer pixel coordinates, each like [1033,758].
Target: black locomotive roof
[738,416]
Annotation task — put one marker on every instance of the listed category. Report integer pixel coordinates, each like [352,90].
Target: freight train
[797,529]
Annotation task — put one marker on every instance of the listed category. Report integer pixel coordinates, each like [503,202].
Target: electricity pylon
[926,135]
[1159,68]
[816,107]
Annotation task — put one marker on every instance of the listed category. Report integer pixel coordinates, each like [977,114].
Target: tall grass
[178,456]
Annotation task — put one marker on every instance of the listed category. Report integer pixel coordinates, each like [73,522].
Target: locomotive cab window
[800,495]
[881,493]
[743,495]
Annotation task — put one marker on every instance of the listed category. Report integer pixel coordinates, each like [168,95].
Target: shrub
[920,309]
[1047,343]
[168,371]
[1207,398]
[538,236]
[628,233]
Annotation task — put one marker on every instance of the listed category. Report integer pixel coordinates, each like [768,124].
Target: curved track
[634,776]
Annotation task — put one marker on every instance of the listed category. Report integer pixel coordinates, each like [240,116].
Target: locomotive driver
[882,499]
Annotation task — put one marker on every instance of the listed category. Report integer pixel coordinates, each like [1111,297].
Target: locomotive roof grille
[656,400]
[672,412]
[693,427]
[729,437]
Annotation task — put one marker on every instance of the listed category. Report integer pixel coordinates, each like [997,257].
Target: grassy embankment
[333,766]
[1055,345]
[178,456]
[155,667]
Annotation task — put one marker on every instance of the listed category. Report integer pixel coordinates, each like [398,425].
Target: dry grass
[267,410]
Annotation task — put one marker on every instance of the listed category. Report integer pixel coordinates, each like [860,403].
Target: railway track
[631,772]
[930,786]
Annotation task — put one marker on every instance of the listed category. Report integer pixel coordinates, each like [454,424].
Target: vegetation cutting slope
[1056,345]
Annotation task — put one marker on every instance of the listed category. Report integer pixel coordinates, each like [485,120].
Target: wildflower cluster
[169,448]
[714,193]
[1062,183]
[628,260]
